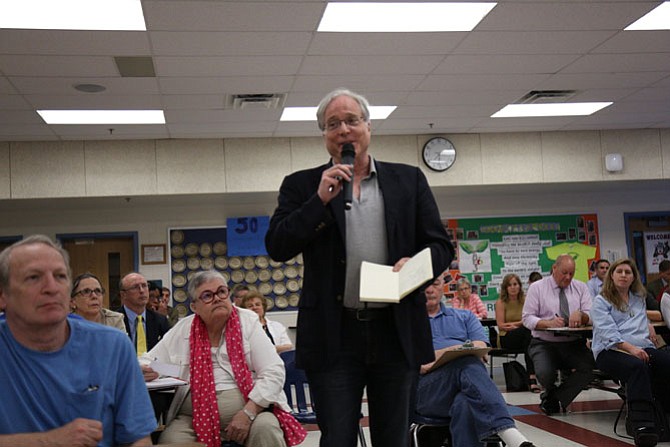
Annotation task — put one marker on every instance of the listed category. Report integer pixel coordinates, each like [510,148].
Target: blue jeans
[462,391]
[370,356]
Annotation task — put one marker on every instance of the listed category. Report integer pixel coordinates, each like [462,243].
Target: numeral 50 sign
[246,235]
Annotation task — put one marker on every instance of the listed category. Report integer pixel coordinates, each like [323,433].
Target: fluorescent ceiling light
[102,116]
[562,109]
[657,18]
[117,15]
[402,17]
[309,113]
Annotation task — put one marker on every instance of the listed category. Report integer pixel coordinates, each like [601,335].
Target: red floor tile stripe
[573,432]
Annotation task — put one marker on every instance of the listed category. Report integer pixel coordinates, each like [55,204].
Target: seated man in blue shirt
[65,381]
[462,390]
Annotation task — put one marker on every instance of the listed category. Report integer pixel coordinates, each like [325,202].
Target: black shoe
[526,444]
[550,406]
[645,437]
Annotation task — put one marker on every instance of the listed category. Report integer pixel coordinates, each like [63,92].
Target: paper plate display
[290,261]
[281,302]
[177,236]
[250,277]
[252,287]
[181,310]
[264,275]
[279,288]
[271,303]
[294,300]
[191,249]
[191,274]
[193,263]
[205,249]
[179,295]
[277,275]
[177,251]
[178,265]
[221,263]
[207,263]
[179,280]
[262,262]
[220,248]
[298,258]
[237,276]
[292,285]
[265,288]
[291,271]
[300,282]
[226,276]
[248,263]
[275,264]
[301,270]
[235,262]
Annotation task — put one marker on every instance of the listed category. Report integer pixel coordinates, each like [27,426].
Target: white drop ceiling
[204,51]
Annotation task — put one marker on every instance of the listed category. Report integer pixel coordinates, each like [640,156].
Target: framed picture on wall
[153,254]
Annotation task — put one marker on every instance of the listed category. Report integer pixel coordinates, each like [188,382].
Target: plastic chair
[297,391]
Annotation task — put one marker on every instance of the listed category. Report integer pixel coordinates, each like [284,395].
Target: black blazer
[157,326]
[301,223]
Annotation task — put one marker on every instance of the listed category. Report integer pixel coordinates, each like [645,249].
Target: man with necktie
[555,301]
[144,326]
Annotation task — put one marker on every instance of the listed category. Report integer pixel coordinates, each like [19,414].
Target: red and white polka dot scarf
[205,410]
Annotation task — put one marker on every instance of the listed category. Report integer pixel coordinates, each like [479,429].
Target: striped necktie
[140,336]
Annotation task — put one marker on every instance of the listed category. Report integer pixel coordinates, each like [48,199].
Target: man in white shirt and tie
[555,301]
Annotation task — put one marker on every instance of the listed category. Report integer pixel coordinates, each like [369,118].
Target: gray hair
[360,99]
[30,240]
[462,281]
[202,277]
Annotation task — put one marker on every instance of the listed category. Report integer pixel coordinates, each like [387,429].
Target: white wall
[149,186]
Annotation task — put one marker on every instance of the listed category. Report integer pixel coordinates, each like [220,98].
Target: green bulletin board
[489,248]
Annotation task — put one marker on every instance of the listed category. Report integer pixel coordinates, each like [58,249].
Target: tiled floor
[589,422]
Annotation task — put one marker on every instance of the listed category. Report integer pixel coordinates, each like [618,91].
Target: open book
[379,283]
[448,356]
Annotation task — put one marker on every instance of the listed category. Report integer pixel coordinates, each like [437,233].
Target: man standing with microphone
[345,345]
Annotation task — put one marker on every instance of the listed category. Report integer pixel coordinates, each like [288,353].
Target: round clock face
[439,154]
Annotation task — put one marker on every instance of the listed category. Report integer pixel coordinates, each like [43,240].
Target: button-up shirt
[542,303]
[612,326]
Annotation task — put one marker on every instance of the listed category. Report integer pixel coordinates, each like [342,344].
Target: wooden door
[106,258]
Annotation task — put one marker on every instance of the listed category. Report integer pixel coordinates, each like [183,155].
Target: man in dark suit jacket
[134,291]
[343,344]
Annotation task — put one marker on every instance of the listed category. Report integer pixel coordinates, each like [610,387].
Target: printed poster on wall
[489,248]
[656,249]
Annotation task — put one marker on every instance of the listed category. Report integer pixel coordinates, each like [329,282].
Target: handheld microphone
[348,156]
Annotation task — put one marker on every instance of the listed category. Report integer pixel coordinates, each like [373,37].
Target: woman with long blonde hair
[513,335]
[623,348]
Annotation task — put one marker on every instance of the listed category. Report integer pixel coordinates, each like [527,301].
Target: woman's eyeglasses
[207,296]
[89,292]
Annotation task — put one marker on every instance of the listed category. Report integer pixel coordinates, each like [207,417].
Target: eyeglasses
[89,292]
[137,287]
[207,296]
[350,122]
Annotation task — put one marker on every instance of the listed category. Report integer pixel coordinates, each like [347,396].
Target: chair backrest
[296,386]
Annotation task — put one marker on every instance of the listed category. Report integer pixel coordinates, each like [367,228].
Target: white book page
[415,272]
[378,283]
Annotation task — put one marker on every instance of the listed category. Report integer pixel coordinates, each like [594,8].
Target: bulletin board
[196,249]
[487,249]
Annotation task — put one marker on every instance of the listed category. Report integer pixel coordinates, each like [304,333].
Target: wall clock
[439,154]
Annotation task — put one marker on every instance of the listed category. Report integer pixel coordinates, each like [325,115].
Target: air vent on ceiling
[546,96]
[257,101]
